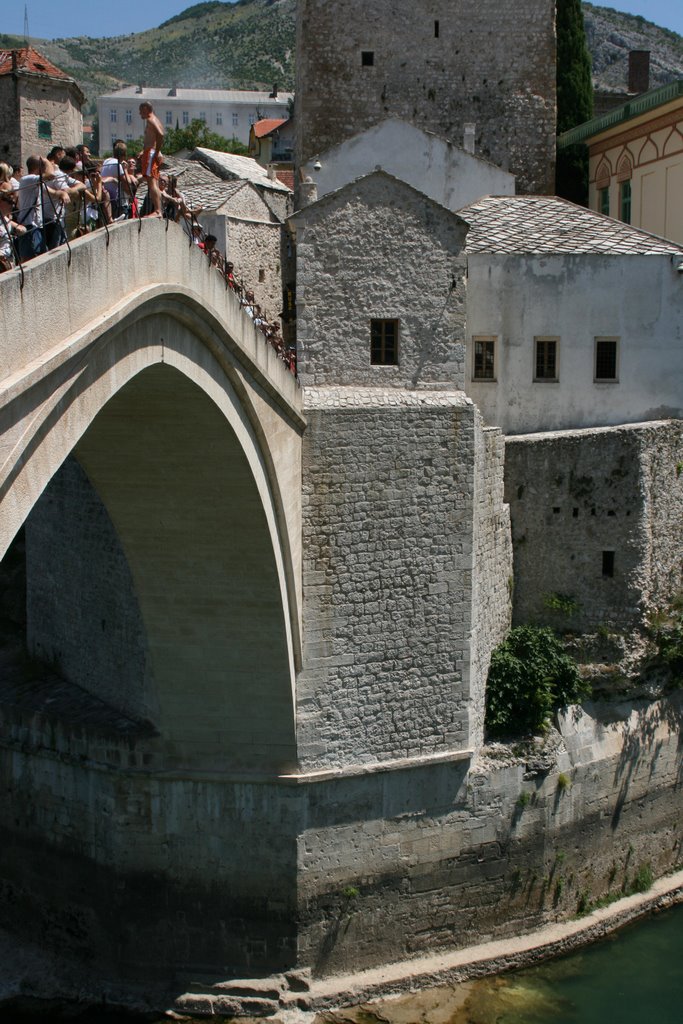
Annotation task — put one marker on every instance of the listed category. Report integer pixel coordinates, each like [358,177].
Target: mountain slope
[250,44]
[611,35]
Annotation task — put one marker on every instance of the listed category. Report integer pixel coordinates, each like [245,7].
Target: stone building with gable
[439,65]
[40,106]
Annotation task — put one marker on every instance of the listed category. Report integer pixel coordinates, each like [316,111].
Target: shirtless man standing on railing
[151,156]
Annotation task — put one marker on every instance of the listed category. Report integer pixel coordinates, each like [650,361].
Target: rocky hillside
[250,44]
[610,37]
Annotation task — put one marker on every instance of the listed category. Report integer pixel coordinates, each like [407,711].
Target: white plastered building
[228,112]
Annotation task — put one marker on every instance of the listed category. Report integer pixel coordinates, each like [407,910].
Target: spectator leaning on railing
[32,217]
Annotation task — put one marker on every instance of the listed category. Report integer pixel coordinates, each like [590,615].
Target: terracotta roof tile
[32,61]
[267,125]
[546,224]
[286,177]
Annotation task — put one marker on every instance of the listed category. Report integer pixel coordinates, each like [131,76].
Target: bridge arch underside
[155,579]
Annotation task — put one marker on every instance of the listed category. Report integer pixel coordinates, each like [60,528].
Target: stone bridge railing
[63,292]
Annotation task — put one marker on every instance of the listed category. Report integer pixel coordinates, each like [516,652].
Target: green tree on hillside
[574,99]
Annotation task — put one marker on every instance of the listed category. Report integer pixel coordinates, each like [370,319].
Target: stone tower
[438,63]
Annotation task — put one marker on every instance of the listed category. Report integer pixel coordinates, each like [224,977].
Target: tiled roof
[30,60]
[229,165]
[267,125]
[199,185]
[546,225]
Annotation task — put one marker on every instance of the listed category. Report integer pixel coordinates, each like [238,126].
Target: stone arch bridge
[137,359]
[257,621]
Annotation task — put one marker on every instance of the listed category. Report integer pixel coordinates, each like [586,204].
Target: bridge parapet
[64,294]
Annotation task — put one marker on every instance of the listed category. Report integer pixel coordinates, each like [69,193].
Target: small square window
[484,367]
[202,116]
[546,366]
[219,117]
[384,342]
[367,58]
[608,563]
[45,130]
[129,117]
[169,117]
[235,120]
[186,117]
[112,116]
[606,359]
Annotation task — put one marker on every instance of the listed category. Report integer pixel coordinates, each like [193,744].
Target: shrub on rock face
[529,678]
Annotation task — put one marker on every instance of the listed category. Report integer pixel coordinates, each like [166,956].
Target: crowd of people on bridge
[67,193]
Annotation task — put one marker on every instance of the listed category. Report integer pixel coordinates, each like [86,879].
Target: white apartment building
[228,112]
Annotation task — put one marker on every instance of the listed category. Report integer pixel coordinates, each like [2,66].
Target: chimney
[273,95]
[15,56]
[468,138]
[272,172]
[173,91]
[138,91]
[308,193]
[638,71]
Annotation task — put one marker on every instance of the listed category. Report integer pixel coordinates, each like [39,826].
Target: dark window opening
[546,359]
[606,359]
[484,359]
[556,511]
[608,563]
[611,512]
[625,202]
[261,275]
[45,130]
[603,201]
[436,30]
[384,342]
[367,58]
[575,513]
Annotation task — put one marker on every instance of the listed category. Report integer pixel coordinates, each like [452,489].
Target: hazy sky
[48,20]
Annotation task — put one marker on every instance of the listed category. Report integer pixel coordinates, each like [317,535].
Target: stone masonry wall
[577,494]
[10,141]
[492,568]
[662,464]
[380,249]
[387,533]
[407,863]
[83,616]
[185,881]
[255,249]
[42,99]
[490,64]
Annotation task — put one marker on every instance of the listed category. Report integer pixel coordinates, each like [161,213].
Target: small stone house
[40,106]
[380,287]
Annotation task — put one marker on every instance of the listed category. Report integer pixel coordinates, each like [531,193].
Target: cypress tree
[574,99]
